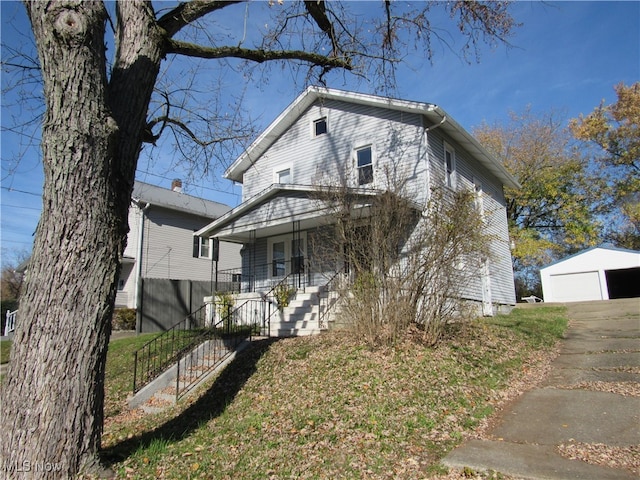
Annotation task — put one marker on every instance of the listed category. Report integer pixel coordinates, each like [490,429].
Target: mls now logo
[28,466]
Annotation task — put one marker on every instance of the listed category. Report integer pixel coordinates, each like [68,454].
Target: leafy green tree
[97,119]
[615,132]
[555,211]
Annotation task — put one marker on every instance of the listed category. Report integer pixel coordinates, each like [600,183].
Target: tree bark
[54,393]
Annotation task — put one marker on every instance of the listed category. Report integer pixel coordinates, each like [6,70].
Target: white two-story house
[336,137]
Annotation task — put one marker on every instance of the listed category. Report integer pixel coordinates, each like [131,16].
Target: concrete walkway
[602,344]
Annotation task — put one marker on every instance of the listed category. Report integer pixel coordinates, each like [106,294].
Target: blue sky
[566,56]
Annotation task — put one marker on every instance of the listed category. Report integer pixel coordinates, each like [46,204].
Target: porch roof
[272,212]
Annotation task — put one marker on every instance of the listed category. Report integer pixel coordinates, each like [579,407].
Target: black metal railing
[328,297]
[200,341]
[231,327]
[255,278]
[215,321]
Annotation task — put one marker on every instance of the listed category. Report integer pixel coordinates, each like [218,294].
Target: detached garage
[599,273]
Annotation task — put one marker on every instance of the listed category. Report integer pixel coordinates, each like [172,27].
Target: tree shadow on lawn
[210,405]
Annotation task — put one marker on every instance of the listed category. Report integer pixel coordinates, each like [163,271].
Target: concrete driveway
[574,404]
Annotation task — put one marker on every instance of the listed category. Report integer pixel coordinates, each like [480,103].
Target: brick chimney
[176,185]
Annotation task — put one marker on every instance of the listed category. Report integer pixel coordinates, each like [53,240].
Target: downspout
[138,279]
[432,108]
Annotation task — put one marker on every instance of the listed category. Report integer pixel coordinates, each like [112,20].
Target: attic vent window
[283,176]
[320,126]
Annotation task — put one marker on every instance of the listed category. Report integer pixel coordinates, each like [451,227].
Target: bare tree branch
[188,12]
[318,12]
[256,55]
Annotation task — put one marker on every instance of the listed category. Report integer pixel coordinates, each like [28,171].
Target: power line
[11,189]
[20,206]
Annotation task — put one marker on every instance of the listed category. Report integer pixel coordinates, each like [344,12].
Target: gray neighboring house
[328,134]
[161,242]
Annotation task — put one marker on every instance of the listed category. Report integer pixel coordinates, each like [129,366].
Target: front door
[286,255]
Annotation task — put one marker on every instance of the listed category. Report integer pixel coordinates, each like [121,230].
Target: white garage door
[576,287]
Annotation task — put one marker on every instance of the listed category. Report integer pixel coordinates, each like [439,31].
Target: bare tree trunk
[54,393]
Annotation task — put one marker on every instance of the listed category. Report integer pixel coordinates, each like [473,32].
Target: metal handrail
[172,345]
[325,305]
[216,344]
[198,336]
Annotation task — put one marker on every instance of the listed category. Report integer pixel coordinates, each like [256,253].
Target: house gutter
[138,279]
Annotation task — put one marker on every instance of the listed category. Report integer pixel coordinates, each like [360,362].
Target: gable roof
[178,201]
[433,112]
[590,249]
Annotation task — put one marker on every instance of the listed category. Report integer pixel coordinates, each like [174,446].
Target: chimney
[176,185]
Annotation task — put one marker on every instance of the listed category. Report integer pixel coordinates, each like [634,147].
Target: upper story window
[320,126]
[449,166]
[364,160]
[283,176]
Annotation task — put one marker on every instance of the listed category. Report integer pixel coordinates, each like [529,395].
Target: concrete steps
[300,317]
[195,368]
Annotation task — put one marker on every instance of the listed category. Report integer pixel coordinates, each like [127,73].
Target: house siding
[467,173]
[396,139]
[278,210]
[168,247]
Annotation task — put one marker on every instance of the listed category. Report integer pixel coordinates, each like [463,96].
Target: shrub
[124,319]
[408,264]
[283,294]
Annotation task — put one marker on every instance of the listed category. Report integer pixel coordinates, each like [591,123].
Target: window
[283,176]
[201,247]
[320,126]
[365,165]
[478,198]
[449,167]
[205,247]
[121,284]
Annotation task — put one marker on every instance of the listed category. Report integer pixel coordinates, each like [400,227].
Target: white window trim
[314,120]
[454,167]
[287,239]
[362,146]
[282,168]
[200,244]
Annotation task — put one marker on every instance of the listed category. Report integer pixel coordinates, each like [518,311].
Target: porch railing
[262,277]
[10,323]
